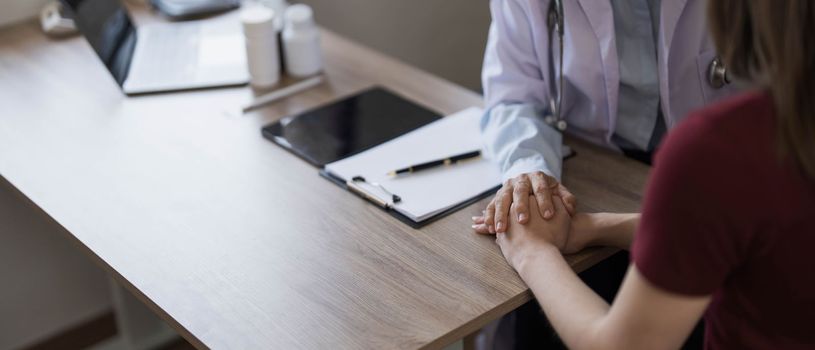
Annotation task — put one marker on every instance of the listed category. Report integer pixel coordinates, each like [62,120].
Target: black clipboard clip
[355,185]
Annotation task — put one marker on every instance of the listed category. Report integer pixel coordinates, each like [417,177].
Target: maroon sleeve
[683,244]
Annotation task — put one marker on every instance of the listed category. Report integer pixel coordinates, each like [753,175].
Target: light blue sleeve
[517,139]
[513,131]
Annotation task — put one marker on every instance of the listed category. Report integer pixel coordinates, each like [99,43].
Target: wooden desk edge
[111,271]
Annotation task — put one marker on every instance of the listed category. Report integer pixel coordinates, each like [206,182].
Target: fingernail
[475,227]
[500,225]
[521,217]
[475,218]
[547,213]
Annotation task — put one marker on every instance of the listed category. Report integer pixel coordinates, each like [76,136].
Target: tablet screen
[349,126]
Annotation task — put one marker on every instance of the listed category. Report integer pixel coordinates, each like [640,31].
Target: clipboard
[317,136]
[404,219]
[426,195]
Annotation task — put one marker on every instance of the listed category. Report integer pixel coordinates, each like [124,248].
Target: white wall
[47,285]
[446,38]
[16,10]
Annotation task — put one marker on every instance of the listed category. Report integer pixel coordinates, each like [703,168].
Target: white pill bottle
[301,42]
[262,53]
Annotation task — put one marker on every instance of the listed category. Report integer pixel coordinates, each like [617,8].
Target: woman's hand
[583,231]
[590,230]
[520,242]
[516,193]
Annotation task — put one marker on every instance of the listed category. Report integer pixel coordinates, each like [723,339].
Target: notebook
[430,193]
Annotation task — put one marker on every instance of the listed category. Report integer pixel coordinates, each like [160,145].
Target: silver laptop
[164,56]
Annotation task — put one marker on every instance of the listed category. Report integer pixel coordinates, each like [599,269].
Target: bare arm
[642,316]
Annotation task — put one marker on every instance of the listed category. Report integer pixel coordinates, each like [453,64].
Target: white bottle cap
[279,8]
[299,16]
[257,21]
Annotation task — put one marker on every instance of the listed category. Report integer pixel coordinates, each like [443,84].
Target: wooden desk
[234,241]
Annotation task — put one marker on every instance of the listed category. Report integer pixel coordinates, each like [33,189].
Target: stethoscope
[555,25]
[717,76]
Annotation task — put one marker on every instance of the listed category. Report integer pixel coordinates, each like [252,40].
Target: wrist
[616,230]
[532,258]
[588,230]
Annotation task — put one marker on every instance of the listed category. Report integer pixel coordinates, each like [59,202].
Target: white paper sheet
[428,192]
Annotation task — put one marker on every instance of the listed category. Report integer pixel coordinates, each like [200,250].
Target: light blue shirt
[636,24]
[520,141]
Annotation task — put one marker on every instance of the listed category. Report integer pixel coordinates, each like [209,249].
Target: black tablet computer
[348,126]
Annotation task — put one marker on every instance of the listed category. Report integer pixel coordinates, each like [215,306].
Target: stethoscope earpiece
[561,125]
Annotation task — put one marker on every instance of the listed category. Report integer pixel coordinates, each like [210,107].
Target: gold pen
[436,163]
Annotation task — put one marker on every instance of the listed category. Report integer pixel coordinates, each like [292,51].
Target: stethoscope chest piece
[717,74]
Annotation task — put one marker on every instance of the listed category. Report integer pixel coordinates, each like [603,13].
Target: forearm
[608,229]
[516,138]
[572,308]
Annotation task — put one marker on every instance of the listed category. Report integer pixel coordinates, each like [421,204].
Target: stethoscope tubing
[718,75]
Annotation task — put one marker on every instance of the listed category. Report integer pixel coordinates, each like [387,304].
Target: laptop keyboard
[170,53]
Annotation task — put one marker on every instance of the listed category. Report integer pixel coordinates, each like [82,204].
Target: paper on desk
[426,193]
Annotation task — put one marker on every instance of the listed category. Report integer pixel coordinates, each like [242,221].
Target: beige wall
[444,37]
[16,10]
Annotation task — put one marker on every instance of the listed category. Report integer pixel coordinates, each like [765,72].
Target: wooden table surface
[234,241]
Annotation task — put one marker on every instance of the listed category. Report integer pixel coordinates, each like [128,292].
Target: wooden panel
[234,241]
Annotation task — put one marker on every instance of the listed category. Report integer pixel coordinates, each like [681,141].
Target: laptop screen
[107,27]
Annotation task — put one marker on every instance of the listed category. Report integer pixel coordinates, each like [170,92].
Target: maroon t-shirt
[725,215]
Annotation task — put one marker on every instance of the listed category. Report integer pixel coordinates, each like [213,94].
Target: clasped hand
[532,212]
[520,242]
[516,193]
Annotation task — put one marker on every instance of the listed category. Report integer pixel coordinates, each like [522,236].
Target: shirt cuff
[528,165]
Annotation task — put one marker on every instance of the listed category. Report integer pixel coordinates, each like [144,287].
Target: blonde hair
[771,42]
